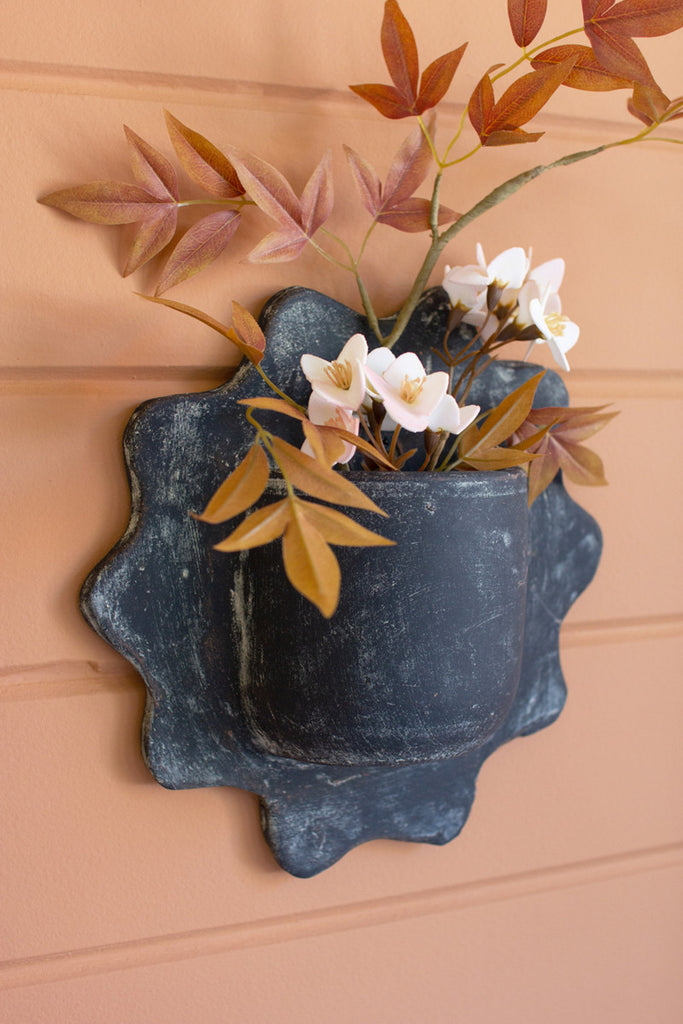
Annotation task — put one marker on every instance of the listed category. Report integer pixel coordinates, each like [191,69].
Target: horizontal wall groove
[595,383]
[244,935]
[71,678]
[156,86]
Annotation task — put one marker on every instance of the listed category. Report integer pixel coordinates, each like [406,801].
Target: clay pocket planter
[422,659]
[373,724]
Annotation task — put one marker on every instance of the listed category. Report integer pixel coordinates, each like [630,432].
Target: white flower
[468,285]
[450,418]
[325,414]
[559,331]
[546,276]
[341,382]
[409,394]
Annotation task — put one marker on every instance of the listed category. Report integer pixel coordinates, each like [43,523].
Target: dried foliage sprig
[362,401]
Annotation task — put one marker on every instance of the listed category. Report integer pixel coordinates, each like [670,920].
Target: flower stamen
[556,323]
[411,390]
[340,373]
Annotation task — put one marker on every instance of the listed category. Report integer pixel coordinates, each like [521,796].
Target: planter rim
[494,482]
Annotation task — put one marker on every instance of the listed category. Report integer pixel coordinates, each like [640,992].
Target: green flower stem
[429,139]
[329,257]
[502,192]
[280,393]
[466,156]
[457,135]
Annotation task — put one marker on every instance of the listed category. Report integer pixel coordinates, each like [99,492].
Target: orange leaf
[525,97]
[199,247]
[151,169]
[337,528]
[400,50]
[384,98]
[253,355]
[362,445]
[587,73]
[310,564]
[526,18]
[261,527]
[542,472]
[436,79]
[247,327]
[310,476]
[105,202]
[153,235]
[242,488]
[499,458]
[482,102]
[203,162]
[644,17]
[327,447]
[511,137]
[618,54]
[273,405]
[502,421]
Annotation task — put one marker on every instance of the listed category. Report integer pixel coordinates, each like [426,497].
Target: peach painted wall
[123,903]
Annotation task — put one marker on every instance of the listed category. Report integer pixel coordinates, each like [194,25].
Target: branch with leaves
[363,401]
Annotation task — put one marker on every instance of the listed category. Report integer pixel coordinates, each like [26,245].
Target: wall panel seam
[26,380]
[69,678]
[251,934]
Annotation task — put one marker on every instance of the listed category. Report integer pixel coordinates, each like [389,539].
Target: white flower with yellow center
[450,418]
[559,331]
[410,395]
[341,382]
[467,286]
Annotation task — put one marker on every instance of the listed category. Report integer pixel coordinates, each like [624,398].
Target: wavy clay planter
[373,724]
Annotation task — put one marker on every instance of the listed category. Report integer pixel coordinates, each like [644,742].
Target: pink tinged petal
[478,318]
[326,414]
[319,374]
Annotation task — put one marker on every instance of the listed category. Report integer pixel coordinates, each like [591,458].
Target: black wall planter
[374,724]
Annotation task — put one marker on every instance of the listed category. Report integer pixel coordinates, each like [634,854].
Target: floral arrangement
[387,412]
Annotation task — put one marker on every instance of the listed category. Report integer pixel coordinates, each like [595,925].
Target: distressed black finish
[178,611]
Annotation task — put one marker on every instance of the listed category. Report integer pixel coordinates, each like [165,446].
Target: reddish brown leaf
[384,98]
[308,475]
[525,97]
[412,215]
[587,73]
[317,197]
[104,202]
[261,527]
[581,465]
[153,235]
[408,169]
[400,51]
[526,18]
[594,8]
[242,488]
[482,102]
[511,137]
[367,180]
[269,189]
[279,246]
[436,79]
[310,564]
[203,162]
[247,327]
[253,355]
[643,17]
[152,170]
[648,103]
[200,246]
[337,528]
[618,54]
